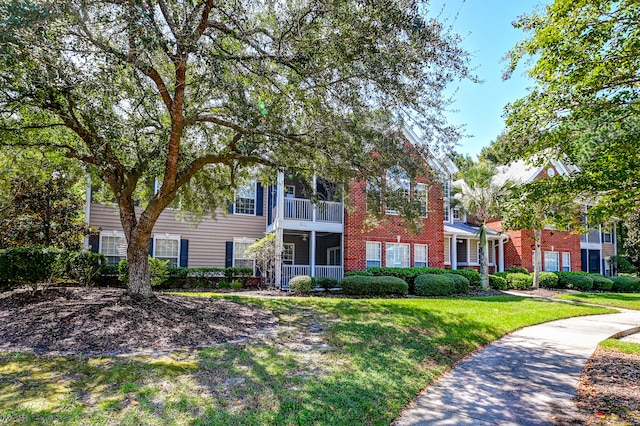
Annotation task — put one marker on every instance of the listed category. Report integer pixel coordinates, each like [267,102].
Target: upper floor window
[446,200]
[422,195]
[246,199]
[606,235]
[399,184]
[456,214]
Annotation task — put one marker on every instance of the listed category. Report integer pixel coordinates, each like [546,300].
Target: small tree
[265,252]
[479,194]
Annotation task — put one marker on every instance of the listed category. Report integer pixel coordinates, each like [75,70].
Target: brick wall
[390,229]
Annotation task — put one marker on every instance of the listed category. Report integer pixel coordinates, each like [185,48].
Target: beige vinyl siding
[447,250]
[206,241]
[607,250]
[473,251]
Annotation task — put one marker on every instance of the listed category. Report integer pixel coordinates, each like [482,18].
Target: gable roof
[524,171]
[443,166]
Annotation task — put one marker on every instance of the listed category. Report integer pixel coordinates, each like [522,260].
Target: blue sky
[485,26]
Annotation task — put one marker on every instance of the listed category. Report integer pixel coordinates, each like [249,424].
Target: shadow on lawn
[341,363]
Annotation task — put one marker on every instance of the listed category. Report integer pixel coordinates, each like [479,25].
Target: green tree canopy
[585,103]
[198,94]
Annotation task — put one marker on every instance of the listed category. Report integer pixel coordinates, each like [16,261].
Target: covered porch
[462,246]
[313,253]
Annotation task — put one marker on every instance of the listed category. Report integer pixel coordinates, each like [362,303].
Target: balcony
[304,210]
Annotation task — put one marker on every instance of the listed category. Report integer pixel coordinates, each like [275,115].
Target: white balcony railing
[298,209]
[302,209]
[290,271]
[329,211]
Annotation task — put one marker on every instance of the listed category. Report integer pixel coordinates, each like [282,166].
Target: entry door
[594,261]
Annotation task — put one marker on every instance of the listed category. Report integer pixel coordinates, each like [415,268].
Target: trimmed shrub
[239,273]
[435,285]
[326,283]
[497,282]
[374,286]
[358,273]
[502,274]
[236,285]
[519,281]
[32,266]
[548,280]
[300,284]
[406,274]
[224,284]
[469,273]
[601,283]
[623,284]
[577,282]
[462,284]
[516,270]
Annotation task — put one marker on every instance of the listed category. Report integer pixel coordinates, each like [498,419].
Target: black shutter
[584,260]
[228,254]
[151,246]
[259,199]
[184,253]
[94,242]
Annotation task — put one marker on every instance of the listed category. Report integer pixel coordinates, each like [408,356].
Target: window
[397,255]
[333,256]
[551,261]
[456,214]
[240,259]
[374,197]
[290,191]
[288,253]
[422,195]
[114,247]
[374,255]
[446,195]
[420,255]
[566,262]
[246,199]
[606,235]
[167,248]
[398,183]
[447,250]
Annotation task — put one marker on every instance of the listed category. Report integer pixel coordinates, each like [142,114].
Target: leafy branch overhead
[197,94]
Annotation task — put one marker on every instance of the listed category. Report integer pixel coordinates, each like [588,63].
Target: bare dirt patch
[107,321]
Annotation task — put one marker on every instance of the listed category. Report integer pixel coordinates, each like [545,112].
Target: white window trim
[114,233]
[333,249]
[255,202]
[166,236]
[426,197]
[367,259]
[447,248]
[544,260]
[415,252]
[286,192]
[243,241]
[401,185]
[562,266]
[386,246]
[293,252]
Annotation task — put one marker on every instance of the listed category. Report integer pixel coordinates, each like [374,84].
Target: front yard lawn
[327,362]
[616,300]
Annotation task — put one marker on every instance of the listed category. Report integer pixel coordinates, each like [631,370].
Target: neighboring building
[561,250]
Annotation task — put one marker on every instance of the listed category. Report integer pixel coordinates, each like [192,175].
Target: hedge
[577,282]
[497,282]
[326,283]
[519,281]
[373,286]
[435,285]
[410,274]
[624,284]
[601,283]
[469,273]
[548,280]
[516,270]
[462,284]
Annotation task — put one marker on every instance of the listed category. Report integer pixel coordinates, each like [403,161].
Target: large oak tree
[198,94]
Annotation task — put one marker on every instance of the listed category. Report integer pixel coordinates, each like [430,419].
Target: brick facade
[391,230]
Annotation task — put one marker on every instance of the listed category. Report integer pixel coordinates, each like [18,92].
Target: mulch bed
[609,389]
[107,321]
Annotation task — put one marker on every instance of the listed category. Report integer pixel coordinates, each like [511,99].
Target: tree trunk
[482,257]
[537,257]
[138,260]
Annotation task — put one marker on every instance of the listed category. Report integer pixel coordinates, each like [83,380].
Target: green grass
[371,359]
[620,346]
[617,300]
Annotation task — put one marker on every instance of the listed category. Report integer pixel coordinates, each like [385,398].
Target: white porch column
[280,198]
[342,255]
[454,252]
[312,253]
[314,208]
[501,255]
[278,260]
[87,209]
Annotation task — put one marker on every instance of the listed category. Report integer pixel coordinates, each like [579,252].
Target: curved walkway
[528,377]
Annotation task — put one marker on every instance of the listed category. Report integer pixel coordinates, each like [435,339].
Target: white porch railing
[290,271]
[298,208]
[329,211]
[329,272]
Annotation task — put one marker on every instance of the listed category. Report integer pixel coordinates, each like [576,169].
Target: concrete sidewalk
[526,378]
